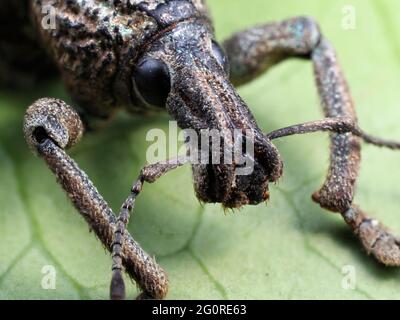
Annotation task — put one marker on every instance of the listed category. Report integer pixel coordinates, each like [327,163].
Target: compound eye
[152,82]
[221,57]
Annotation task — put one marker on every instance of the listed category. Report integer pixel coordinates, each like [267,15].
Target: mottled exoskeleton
[148,55]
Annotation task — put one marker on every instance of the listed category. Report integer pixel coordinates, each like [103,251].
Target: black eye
[220,55]
[152,82]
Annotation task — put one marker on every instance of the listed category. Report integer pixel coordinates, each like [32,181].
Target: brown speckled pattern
[338,191]
[95,45]
[253,51]
[89,45]
[61,122]
[140,266]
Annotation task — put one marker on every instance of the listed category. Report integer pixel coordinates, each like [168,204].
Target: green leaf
[289,249]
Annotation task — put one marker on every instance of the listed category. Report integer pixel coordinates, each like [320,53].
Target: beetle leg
[50,126]
[148,174]
[253,51]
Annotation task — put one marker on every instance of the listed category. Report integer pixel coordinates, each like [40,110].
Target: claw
[375,237]
[384,246]
[117,287]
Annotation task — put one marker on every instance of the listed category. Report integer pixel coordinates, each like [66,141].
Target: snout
[208,101]
[243,182]
[202,98]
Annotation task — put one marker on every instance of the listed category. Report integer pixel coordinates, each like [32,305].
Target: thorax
[95,43]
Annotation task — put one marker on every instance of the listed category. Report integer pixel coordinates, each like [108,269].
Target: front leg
[253,51]
[50,126]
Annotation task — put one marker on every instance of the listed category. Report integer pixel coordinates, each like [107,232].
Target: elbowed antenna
[335,125]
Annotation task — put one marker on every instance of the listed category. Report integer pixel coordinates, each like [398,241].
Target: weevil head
[186,71]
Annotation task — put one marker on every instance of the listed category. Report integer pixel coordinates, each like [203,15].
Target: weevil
[161,55]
